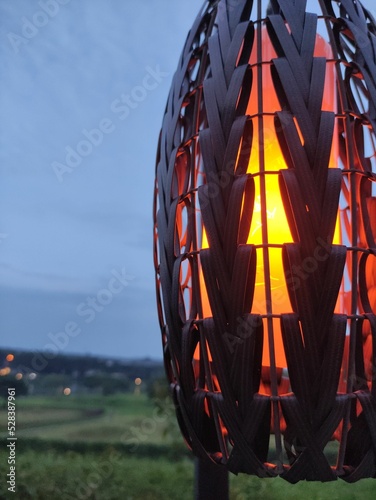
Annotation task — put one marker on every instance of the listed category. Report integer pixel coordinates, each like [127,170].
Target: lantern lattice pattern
[265,227]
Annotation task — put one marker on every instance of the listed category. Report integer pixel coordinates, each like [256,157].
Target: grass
[111,475]
[97,448]
[127,403]
[92,418]
[106,476]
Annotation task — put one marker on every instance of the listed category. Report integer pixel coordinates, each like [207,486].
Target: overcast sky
[75,225]
[83,89]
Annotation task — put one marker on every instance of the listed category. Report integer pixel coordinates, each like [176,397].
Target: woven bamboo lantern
[265,227]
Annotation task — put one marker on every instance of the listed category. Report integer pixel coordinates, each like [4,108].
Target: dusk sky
[83,89]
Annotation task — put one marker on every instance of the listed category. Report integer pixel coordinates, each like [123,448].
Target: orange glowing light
[10,358]
[268,206]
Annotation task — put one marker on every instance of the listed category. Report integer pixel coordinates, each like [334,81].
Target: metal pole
[211,481]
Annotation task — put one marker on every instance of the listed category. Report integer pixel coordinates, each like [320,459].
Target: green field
[89,419]
[121,447]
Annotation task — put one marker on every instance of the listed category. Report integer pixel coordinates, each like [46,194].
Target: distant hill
[45,363]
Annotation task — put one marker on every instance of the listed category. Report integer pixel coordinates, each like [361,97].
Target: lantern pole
[211,481]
